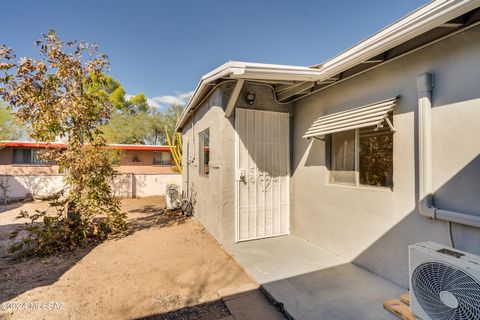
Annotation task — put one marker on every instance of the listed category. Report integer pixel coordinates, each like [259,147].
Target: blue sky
[162,48]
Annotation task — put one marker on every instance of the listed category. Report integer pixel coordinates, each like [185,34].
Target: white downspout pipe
[424,88]
[426,205]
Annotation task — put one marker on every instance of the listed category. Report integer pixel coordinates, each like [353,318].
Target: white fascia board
[247,71]
[426,18]
[418,22]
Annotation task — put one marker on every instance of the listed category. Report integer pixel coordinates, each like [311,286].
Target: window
[162,158]
[362,157]
[204,149]
[343,157]
[27,156]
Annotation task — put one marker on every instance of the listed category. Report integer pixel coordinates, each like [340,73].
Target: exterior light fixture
[250,98]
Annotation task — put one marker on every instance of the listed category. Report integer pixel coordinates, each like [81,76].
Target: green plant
[174,139]
[60,95]
[175,143]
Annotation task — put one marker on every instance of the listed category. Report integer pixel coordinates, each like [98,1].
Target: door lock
[242,176]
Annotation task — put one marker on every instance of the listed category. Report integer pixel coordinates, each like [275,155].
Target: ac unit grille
[432,281]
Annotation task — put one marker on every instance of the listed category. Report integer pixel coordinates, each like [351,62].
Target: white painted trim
[361,117]
[295,89]
[246,70]
[236,173]
[233,98]
[425,18]
[432,15]
[237,191]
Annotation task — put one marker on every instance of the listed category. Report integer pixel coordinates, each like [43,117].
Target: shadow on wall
[144,185]
[28,186]
[315,153]
[122,185]
[460,193]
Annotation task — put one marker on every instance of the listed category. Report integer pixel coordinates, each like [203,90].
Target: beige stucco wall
[373,226]
[6,166]
[144,165]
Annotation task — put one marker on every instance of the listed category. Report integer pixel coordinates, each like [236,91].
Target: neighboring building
[20,157]
[361,156]
[144,170]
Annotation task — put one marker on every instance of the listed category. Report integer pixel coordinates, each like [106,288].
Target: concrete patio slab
[283,257]
[312,283]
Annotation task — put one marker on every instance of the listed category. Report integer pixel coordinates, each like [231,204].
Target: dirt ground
[168,268]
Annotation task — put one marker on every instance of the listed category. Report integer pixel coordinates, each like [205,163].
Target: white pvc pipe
[426,205]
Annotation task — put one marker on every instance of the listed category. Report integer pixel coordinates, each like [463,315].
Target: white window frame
[201,155]
[357,183]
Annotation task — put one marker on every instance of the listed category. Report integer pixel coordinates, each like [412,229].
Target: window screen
[342,161]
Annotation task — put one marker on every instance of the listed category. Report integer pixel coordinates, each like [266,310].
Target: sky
[162,48]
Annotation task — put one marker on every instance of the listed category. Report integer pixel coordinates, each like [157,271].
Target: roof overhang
[428,24]
[432,15]
[235,70]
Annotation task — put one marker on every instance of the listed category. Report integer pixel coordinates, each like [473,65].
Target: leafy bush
[60,95]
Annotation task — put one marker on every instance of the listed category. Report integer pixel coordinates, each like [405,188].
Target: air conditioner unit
[444,282]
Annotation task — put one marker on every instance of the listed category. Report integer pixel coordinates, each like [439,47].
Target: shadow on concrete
[214,310]
[356,290]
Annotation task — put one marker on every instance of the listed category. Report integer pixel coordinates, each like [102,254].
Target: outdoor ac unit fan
[444,283]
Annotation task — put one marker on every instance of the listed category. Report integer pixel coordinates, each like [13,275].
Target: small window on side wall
[204,151]
[362,157]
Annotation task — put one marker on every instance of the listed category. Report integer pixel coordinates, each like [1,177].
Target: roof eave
[416,23]
[422,20]
[248,71]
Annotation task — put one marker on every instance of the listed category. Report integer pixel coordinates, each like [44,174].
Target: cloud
[166,100]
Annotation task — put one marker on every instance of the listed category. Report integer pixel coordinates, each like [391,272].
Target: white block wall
[125,185]
[154,184]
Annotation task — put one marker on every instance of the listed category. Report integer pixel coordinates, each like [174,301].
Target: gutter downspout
[426,205]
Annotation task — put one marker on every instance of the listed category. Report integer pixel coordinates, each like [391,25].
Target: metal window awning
[366,116]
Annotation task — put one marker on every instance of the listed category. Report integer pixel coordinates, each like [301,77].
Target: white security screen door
[262,174]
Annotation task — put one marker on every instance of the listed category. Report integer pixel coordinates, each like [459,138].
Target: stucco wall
[124,185]
[142,165]
[373,226]
[6,166]
[214,195]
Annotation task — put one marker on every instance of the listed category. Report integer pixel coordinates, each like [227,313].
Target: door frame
[237,178]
